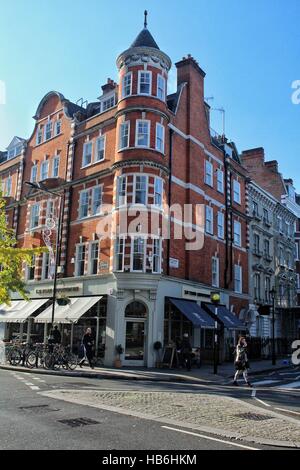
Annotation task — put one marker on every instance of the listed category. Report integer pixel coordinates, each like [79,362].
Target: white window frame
[109,98]
[28,268]
[84,153]
[237,233]
[119,187]
[155,255]
[209,177]
[158,88]
[237,191]
[132,254]
[238,270]
[209,210]
[119,253]
[159,138]
[8,186]
[34,168]
[159,181]
[221,227]
[43,164]
[56,124]
[220,181]
[81,205]
[46,127]
[39,135]
[36,216]
[90,259]
[55,165]
[101,138]
[144,121]
[215,262]
[44,264]
[125,124]
[139,82]
[99,211]
[78,246]
[50,209]
[146,188]
[124,95]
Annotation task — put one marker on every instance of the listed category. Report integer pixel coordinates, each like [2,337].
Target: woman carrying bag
[241,361]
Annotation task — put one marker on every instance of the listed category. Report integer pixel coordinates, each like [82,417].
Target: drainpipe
[171,132]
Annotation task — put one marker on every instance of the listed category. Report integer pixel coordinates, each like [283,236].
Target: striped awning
[20,310]
[70,313]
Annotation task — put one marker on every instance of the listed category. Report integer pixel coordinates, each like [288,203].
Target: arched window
[136,310]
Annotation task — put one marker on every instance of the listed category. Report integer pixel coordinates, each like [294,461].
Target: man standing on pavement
[186,351]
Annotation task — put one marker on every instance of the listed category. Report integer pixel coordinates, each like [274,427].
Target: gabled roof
[69,107]
[144,39]
[16,141]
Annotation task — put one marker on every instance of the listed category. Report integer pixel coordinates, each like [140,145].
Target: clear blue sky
[249,50]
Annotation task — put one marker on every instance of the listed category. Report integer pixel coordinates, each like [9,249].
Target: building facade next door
[135,334]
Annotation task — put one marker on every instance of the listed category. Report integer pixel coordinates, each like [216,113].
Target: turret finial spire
[145,22]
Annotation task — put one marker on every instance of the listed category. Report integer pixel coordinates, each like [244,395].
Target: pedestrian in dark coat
[88,343]
[186,351]
[241,361]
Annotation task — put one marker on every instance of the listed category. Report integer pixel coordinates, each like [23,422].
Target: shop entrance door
[135,342]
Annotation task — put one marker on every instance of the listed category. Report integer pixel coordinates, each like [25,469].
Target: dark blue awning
[228,319]
[193,312]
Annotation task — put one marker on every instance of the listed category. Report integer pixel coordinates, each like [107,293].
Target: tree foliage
[12,259]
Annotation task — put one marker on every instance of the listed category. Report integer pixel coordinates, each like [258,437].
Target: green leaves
[12,259]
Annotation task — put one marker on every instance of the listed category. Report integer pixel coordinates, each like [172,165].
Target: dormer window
[107,101]
[144,85]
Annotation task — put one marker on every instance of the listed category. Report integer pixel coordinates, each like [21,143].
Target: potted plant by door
[62,299]
[119,350]
[157,346]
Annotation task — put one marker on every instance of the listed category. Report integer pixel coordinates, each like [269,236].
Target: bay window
[140,189]
[156,256]
[126,85]
[119,258]
[160,138]
[144,83]
[138,254]
[124,135]
[142,138]
[161,87]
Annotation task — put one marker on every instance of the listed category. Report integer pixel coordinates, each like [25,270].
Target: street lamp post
[215,299]
[273,294]
[42,188]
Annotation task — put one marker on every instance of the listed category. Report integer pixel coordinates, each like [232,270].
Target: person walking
[186,352]
[87,342]
[241,361]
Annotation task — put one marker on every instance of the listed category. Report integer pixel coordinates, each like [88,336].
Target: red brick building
[127,165]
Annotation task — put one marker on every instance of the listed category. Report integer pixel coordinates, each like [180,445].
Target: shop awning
[228,319]
[193,312]
[20,310]
[70,313]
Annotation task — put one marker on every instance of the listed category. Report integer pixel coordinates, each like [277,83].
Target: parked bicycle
[60,356]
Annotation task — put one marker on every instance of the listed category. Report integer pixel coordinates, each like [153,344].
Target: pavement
[202,374]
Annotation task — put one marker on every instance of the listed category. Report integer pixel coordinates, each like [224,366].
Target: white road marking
[290,386]
[288,411]
[253,393]
[260,401]
[265,382]
[35,387]
[28,383]
[202,436]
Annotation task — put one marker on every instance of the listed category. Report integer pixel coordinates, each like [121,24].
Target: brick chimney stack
[272,165]
[109,86]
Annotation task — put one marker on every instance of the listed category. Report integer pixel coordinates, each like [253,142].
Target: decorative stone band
[144,55]
[143,162]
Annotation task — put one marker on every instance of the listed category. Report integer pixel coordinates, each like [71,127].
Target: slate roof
[144,39]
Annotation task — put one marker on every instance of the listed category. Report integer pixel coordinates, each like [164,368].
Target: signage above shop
[69,290]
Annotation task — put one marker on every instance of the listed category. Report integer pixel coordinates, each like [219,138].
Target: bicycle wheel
[72,361]
[49,361]
[31,360]
[15,357]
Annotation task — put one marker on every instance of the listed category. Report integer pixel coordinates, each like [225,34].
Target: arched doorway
[135,327]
